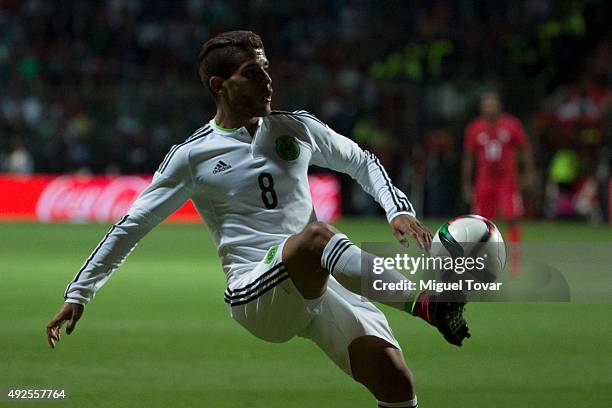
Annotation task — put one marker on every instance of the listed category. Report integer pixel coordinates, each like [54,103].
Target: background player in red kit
[493,141]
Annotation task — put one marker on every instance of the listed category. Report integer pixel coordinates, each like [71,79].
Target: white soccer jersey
[252,192]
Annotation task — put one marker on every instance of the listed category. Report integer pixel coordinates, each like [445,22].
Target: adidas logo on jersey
[221,166]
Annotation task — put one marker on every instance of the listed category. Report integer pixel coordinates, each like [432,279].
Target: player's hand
[71,313]
[405,224]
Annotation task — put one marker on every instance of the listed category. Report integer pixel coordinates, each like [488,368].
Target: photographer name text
[433,285]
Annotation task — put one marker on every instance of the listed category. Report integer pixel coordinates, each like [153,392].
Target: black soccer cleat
[445,312]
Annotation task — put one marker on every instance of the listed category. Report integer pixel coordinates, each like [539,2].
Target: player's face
[490,105]
[248,92]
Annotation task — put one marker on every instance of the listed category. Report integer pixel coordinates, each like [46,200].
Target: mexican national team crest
[287,148]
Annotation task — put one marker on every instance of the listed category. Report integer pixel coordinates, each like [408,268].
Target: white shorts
[266,302]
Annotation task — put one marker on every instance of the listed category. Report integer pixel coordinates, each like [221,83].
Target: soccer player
[493,141]
[287,273]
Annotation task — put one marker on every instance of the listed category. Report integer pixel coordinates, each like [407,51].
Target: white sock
[413,403]
[343,260]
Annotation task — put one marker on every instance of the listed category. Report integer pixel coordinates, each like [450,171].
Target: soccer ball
[470,237]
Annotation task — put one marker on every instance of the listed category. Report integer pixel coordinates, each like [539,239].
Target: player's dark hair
[223,54]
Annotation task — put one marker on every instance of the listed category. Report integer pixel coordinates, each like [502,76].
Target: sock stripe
[413,403]
[337,248]
[330,256]
[331,260]
[341,251]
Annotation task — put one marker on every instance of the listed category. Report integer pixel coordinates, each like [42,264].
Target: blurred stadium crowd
[109,86]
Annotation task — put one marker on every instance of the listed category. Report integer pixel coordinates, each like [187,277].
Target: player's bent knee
[317,234]
[302,256]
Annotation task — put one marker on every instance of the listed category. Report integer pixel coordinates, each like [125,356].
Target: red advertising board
[76,198]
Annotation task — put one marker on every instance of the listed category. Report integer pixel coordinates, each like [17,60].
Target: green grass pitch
[159,334]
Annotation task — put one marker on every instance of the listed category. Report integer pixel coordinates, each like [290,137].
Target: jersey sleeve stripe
[398,204]
[407,203]
[198,132]
[313,118]
[309,115]
[168,155]
[93,254]
[299,114]
[173,149]
[195,137]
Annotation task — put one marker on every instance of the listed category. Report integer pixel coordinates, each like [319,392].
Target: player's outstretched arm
[71,313]
[339,153]
[171,187]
